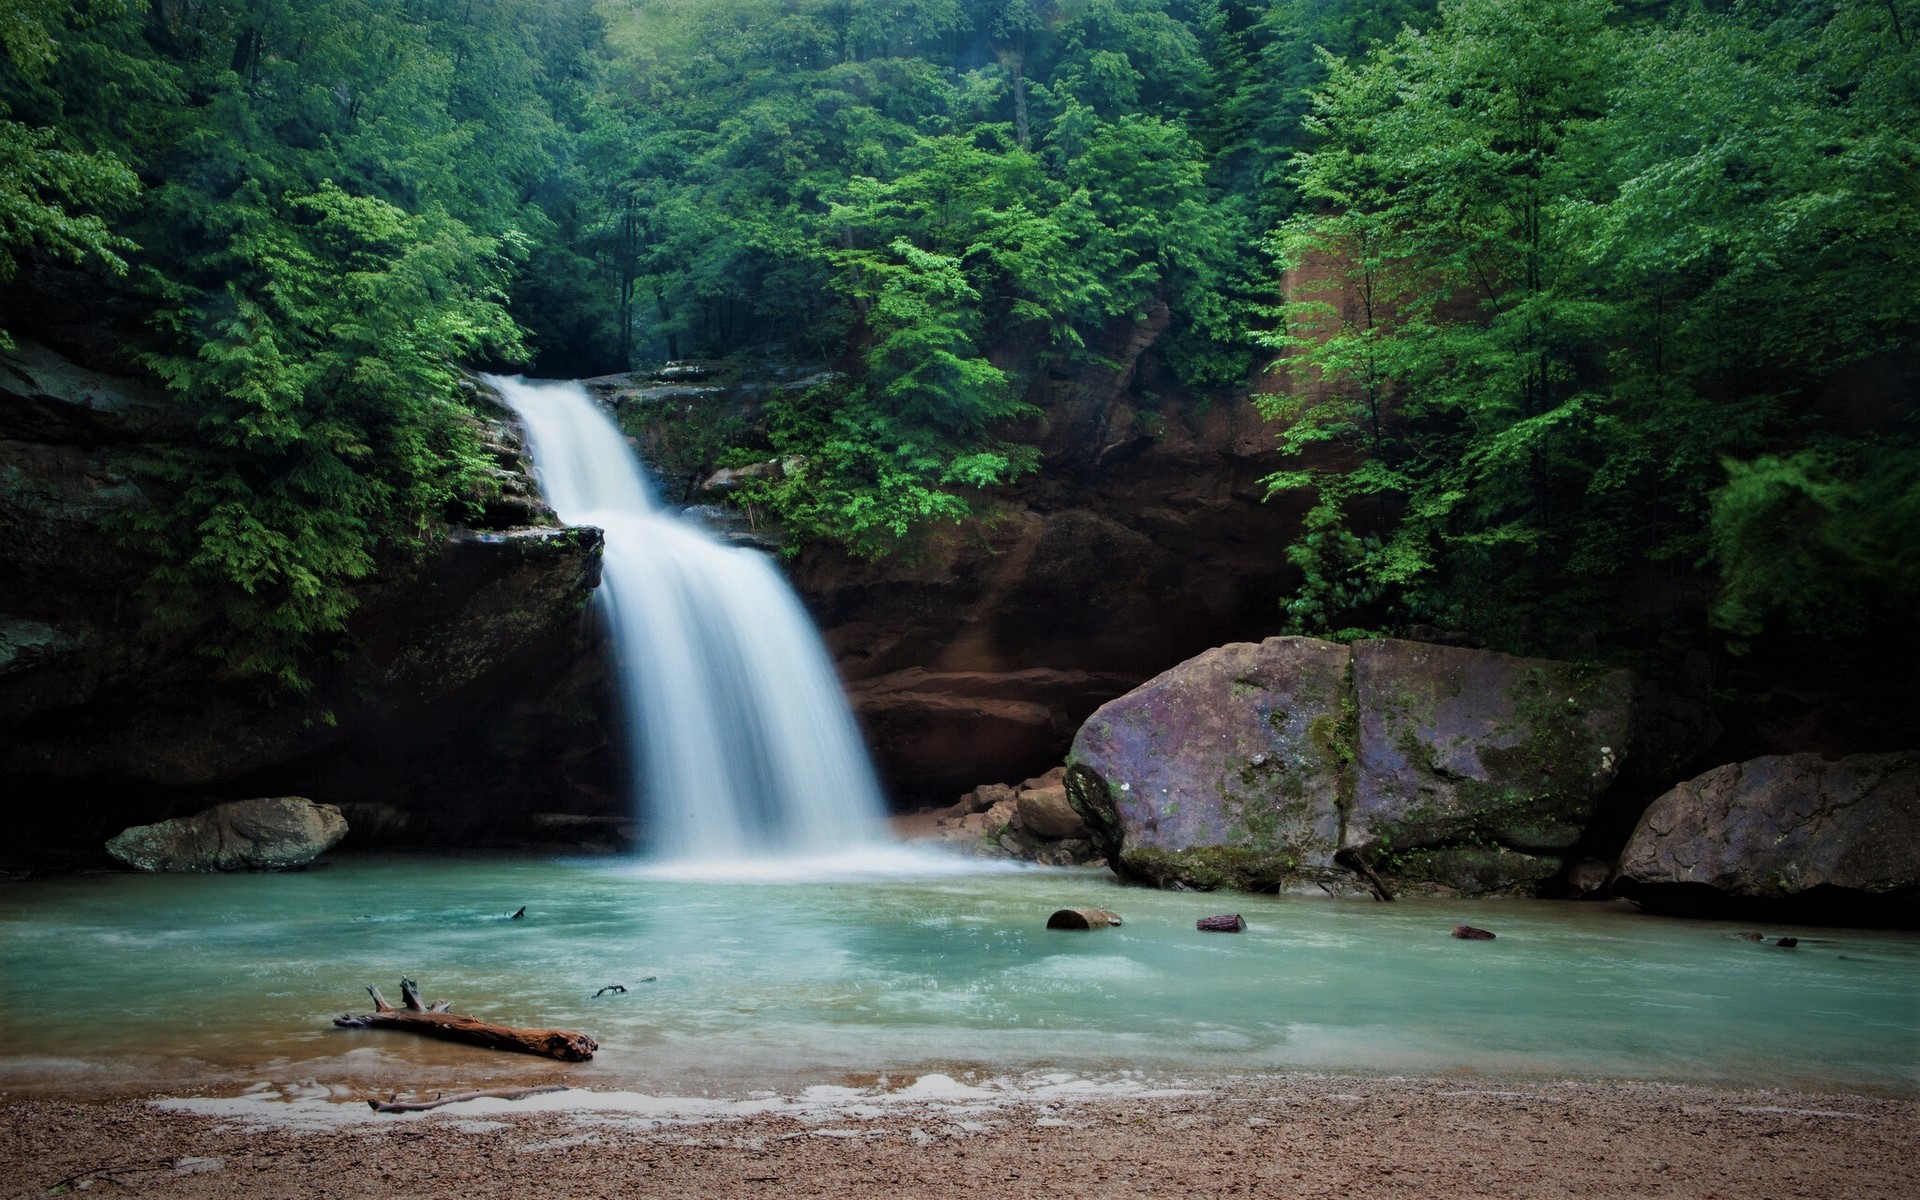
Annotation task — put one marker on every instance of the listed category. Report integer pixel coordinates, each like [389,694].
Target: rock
[1229,923]
[1459,745]
[467,693]
[1224,771]
[243,835]
[1083,918]
[1589,878]
[947,729]
[729,479]
[1787,943]
[1475,870]
[981,799]
[1469,933]
[1054,778]
[1794,831]
[1252,766]
[1045,811]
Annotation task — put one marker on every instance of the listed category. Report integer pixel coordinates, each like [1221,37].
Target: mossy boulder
[1472,748]
[1476,870]
[1239,750]
[273,834]
[1254,766]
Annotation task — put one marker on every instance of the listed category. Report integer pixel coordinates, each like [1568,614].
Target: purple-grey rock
[1237,750]
[1780,826]
[244,835]
[1473,746]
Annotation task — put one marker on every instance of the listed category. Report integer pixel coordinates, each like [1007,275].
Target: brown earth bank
[1280,1136]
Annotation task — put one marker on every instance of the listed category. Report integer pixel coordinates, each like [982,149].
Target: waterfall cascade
[740,736]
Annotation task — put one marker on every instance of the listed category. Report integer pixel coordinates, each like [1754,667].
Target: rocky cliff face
[1144,538]
[465,701]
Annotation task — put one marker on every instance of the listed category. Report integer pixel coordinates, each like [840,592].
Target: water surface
[764,982]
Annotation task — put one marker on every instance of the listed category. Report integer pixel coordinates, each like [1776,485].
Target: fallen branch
[405,1106]
[1358,863]
[436,1021]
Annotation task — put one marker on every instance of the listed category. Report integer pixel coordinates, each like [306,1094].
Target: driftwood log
[1469,934]
[1225,923]
[1083,918]
[433,1020]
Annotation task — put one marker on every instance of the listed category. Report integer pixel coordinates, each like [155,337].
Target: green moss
[1210,868]
[1475,870]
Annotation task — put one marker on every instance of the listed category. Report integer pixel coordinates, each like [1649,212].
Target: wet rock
[1795,830]
[1228,923]
[1470,934]
[244,835]
[1458,746]
[1589,878]
[1083,918]
[1045,811]
[1474,870]
[1224,771]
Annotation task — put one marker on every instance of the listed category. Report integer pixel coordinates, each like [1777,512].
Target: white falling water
[740,735]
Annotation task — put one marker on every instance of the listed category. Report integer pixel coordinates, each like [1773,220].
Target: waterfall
[741,740]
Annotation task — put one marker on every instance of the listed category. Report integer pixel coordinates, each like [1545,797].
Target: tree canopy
[1571,300]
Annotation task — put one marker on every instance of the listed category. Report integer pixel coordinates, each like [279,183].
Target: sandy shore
[1280,1136]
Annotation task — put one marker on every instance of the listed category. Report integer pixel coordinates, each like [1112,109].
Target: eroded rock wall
[1144,538]
[465,701]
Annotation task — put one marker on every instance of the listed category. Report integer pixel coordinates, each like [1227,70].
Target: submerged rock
[1083,918]
[1792,830]
[243,835]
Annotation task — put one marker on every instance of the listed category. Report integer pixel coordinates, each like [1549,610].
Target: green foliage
[1563,266]
[1820,541]
[46,187]
[865,477]
[334,196]
[323,373]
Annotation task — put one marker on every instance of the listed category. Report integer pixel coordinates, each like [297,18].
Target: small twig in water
[392,1106]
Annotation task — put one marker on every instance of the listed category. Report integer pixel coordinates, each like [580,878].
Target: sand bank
[935,1135]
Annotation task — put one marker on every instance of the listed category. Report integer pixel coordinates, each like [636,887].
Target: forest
[1571,305]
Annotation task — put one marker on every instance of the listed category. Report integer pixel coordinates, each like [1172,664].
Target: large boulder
[1829,837]
[273,834]
[1460,747]
[1225,771]
[1254,765]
